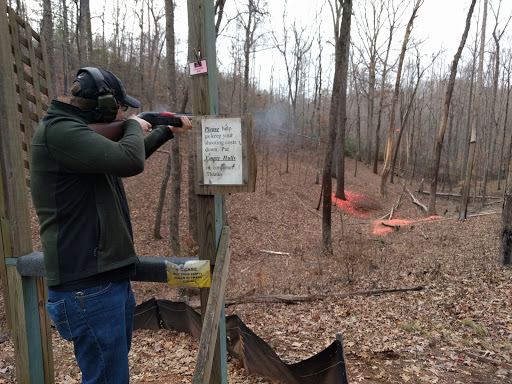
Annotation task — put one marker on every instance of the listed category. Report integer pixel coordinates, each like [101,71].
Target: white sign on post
[222,151]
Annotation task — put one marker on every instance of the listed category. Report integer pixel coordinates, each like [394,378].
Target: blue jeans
[99,321]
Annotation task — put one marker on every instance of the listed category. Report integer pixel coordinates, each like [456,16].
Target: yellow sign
[194,273]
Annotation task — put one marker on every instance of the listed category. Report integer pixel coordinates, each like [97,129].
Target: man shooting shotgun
[86,232]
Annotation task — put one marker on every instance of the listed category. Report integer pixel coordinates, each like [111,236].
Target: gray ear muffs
[107,105]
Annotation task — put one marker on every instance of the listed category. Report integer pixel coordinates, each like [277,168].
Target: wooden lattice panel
[32,78]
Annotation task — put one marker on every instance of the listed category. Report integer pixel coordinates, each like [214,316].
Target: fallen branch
[484,214]
[484,359]
[395,207]
[292,299]
[445,194]
[441,194]
[305,206]
[396,227]
[398,203]
[416,201]
[274,252]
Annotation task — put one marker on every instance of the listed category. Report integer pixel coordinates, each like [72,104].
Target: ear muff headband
[106,103]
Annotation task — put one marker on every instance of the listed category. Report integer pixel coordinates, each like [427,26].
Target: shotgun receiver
[114,130]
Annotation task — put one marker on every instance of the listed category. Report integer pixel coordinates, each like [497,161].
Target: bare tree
[84,41]
[505,253]
[344,46]
[155,46]
[394,15]
[175,158]
[369,26]
[294,50]
[444,116]
[333,120]
[256,11]
[492,133]
[219,13]
[387,159]
[505,120]
[408,107]
[140,15]
[356,79]
[475,121]
[47,32]
[317,98]
[497,35]
[66,45]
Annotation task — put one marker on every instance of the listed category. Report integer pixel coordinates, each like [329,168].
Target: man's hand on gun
[146,125]
[178,124]
[186,125]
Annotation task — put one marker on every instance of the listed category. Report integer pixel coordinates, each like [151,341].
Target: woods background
[395,87]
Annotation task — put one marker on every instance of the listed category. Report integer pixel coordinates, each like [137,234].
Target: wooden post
[341,357]
[24,297]
[205,102]
[213,312]
[13,205]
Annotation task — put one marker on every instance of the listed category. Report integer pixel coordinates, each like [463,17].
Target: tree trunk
[505,255]
[84,36]
[371,108]
[174,217]
[405,119]
[345,51]
[389,148]
[47,32]
[444,116]
[358,120]
[497,37]
[382,96]
[175,200]
[66,46]
[331,141]
[475,121]
[249,35]
[505,123]
[161,199]
[371,13]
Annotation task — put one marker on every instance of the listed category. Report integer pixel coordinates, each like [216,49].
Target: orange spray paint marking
[354,205]
[361,206]
[380,229]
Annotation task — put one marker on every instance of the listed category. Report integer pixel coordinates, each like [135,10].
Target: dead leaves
[459,329]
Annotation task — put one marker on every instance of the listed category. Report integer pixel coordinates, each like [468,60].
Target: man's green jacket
[80,199]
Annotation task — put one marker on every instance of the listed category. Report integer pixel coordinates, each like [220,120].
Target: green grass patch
[411,326]
[478,328]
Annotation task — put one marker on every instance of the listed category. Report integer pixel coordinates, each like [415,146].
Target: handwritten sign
[222,155]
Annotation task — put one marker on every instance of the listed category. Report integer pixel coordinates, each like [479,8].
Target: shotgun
[114,130]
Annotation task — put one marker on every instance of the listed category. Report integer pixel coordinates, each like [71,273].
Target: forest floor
[455,328]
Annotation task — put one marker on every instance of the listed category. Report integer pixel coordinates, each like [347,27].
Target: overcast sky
[439,24]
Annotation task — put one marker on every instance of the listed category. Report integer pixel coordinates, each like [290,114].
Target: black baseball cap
[95,82]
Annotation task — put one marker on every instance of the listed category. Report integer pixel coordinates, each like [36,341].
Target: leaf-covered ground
[456,329]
